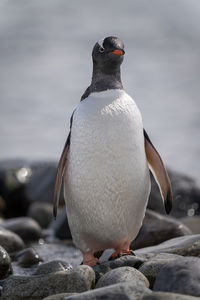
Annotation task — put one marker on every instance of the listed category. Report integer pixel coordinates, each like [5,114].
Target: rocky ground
[39,261]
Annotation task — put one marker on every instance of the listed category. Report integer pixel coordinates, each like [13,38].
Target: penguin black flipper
[61,168]
[159,172]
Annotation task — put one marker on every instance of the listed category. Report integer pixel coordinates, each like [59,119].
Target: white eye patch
[100,42]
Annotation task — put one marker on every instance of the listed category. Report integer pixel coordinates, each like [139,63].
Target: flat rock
[157,228]
[119,291]
[27,228]
[41,213]
[40,286]
[5,264]
[188,245]
[10,241]
[152,266]
[167,296]
[180,276]
[122,274]
[52,267]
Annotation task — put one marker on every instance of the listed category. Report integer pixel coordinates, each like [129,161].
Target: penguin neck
[103,80]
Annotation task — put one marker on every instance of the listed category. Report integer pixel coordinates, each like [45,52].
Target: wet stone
[27,258]
[5,264]
[52,267]
[27,228]
[10,241]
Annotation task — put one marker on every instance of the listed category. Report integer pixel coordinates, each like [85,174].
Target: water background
[45,66]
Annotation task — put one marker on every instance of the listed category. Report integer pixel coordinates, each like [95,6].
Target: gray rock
[157,228]
[180,276]
[27,228]
[42,213]
[52,267]
[122,274]
[188,245]
[193,223]
[10,241]
[59,296]
[167,296]
[27,258]
[5,264]
[40,286]
[152,267]
[186,196]
[129,290]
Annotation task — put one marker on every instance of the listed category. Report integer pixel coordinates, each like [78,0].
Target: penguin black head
[108,54]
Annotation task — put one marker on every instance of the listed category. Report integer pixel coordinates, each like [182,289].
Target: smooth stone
[167,296]
[122,274]
[52,267]
[186,196]
[152,266]
[38,287]
[10,241]
[5,264]
[188,245]
[193,223]
[59,296]
[27,258]
[180,276]
[119,291]
[27,228]
[42,213]
[60,226]
[157,228]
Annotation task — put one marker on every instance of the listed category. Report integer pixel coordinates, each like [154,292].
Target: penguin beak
[118,52]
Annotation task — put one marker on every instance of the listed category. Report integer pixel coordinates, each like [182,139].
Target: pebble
[42,213]
[188,245]
[27,228]
[180,276]
[52,267]
[122,274]
[5,264]
[59,296]
[157,228]
[10,241]
[167,296]
[27,258]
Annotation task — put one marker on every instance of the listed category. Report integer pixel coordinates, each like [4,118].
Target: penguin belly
[106,182]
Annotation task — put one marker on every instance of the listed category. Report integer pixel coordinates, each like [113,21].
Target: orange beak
[118,52]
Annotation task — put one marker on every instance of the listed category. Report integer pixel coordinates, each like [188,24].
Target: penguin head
[108,54]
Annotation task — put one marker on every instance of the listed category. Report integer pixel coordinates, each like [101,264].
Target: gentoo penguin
[106,160]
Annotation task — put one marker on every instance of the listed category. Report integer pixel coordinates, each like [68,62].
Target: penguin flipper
[159,172]
[59,177]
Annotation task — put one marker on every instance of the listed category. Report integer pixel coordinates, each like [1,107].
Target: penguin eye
[101,49]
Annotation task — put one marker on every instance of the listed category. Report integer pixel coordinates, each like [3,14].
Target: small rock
[180,276]
[59,296]
[61,226]
[5,264]
[42,213]
[38,287]
[188,245]
[52,267]
[152,267]
[193,223]
[157,228]
[119,291]
[27,228]
[167,296]
[10,241]
[27,258]
[122,274]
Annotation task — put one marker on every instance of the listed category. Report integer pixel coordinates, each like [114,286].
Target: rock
[61,226]
[27,258]
[122,274]
[180,276]
[186,196]
[167,296]
[152,266]
[193,223]
[52,267]
[27,228]
[188,245]
[156,229]
[10,241]
[59,296]
[5,264]
[42,213]
[119,291]
[40,286]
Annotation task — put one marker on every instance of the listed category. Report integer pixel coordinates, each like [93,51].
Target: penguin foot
[89,259]
[120,253]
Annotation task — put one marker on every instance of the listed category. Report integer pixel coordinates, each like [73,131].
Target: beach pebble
[27,258]
[167,296]
[10,241]
[42,213]
[5,264]
[52,267]
[61,296]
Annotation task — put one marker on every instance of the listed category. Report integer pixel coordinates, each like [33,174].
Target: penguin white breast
[107,177]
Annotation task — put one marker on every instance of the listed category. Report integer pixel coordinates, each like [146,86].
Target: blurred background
[45,66]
